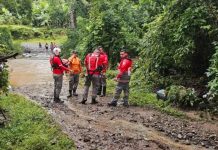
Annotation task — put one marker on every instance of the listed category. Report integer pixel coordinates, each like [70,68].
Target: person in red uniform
[103,83]
[58,69]
[122,79]
[94,64]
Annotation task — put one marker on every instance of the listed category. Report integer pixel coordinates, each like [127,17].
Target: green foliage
[177,47]
[30,127]
[27,32]
[109,27]
[5,41]
[6,47]
[22,32]
[213,84]
[4,80]
[17,11]
[181,96]
[180,38]
[111,74]
[6,17]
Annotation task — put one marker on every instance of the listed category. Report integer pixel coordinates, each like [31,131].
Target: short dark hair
[124,50]
[100,47]
[74,52]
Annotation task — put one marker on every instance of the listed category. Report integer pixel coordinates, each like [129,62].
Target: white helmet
[56,50]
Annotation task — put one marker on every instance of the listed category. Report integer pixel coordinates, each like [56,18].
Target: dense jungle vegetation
[174,43]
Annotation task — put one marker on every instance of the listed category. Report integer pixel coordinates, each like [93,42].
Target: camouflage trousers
[94,80]
[119,88]
[74,81]
[58,81]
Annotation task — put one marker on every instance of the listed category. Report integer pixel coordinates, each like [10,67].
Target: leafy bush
[6,17]
[181,96]
[213,84]
[5,40]
[6,46]
[3,80]
[111,74]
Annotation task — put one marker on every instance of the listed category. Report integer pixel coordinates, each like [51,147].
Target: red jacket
[59,68]
[105,62]
[92,62]
[125,66]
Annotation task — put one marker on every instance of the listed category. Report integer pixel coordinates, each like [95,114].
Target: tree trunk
[73,18]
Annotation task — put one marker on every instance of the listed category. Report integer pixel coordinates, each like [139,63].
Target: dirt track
[103,127]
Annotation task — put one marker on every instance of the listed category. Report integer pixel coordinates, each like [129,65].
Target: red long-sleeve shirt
[124,66]
[105,62]
[61,68]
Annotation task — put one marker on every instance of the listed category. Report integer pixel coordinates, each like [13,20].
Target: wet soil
[102,127]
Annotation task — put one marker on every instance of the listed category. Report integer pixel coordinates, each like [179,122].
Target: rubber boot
[74,93]
[113,103]
[94,101]
[58,100]
[99,90]
[83,101]
[70,94]
[104,92]
[126,103]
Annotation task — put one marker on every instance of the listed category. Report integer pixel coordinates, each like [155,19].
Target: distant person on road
[94,64]
[102,86]
[58,71]
[46,47]
[76,67]
[52,47]
[40,45]
[122,79]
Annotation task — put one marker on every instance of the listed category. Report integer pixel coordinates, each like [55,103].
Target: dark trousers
[94,80]
[58,81]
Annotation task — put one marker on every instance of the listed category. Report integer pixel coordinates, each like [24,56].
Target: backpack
[93,62]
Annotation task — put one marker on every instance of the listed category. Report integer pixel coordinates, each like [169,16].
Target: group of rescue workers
[96,64]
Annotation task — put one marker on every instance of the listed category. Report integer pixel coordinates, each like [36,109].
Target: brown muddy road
[102,127]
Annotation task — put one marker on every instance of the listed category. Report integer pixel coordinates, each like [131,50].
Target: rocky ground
[102,127]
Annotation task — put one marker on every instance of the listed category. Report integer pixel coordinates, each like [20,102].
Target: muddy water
[29,71]
[102,127]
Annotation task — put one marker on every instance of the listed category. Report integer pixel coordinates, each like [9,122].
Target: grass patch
[30,127]
[149,99]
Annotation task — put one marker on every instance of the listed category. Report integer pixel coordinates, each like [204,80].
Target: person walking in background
[58,70]
[76,67]
[122,79]
[94,64]
[46,46]
[52,47]
[103,83]
[40,45]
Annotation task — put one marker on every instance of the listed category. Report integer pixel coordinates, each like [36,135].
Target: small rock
[86,139]
[187,142]
[179,136]
[112,118]
[212,136]
[147,145]
[189,135]
[133,120]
